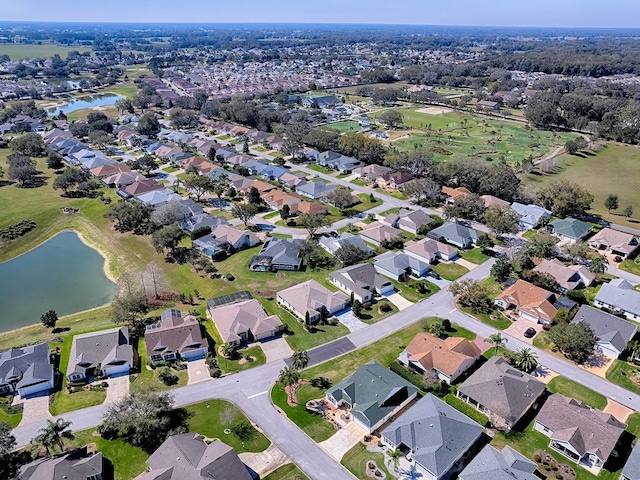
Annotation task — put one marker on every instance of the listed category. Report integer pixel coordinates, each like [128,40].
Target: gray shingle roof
[622,298]
[174,333]
[491,464]
[631,469]
[91,350]
[454,232]
[76,465]
[608,328]
[399,262]
[333,244]
[437,434]
[26,366]
[280,251]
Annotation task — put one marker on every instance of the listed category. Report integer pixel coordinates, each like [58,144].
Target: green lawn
[148,379]
[569,388]
[260,149]
[355,460]
[495,319]
[631,266]
[9,414]
[271,215]
[474,255]
[467,409]
[321,169]
[45,50]
[170,169]
[408,289]
[358,181]
[287,472]
[390,211]
[621,373]
[449,271]
[254,353]
[344,127]
[633,424]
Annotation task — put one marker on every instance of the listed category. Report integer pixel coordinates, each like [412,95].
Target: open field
[344,127]
[31,52]
[613,169]
[352,90]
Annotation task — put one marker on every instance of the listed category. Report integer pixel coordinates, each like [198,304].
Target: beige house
[614,242]
[377,233]
[313,298]
[244,321]
[530,301]
[429,250]
[568,277]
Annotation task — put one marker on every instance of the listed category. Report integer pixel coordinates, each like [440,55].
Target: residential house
[361,280]
[492,464]
[337,161]
[310,154]
[394,180]
[107,353]
[455,193]
[79,464]
[224,238]
[371,172]
[188,456]
[501,392]
[278,254]
[530,301]
[333,244]
[455,234]
[619,296]
[449,358]
[585,436]
[244,321]
[530,215]
[373,394]
[488,106]
[378,233]
[157,198]
[490,200]
[399,266]
[109,169]
[568,277]
[612,333]
[435,437]
[631,470]
[569,229]
[429,250]
[175,337]
[614,242]
[315,190]
[26,371]
[408,220]
[120,180]
[291,180]
[312,298]
[138,188]
[202,220]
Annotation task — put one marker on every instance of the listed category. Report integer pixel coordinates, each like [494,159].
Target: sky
[543,13]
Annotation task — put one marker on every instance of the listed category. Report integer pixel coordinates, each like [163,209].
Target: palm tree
[53,434]
[599,265]
[525,359]
[288,377]
[300,359]
[395,456]
[633,347]
[228,349]
[497,341]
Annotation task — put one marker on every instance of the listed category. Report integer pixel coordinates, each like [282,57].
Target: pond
[101,100]
[63,274]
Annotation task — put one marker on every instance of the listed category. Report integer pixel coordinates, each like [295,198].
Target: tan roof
[455,192]
[110,169]
[530,299]
[232,235]
[445,356]
[260,185]
[311,296]
[567,277]
[613,239]
[380,232]
[491,200]
[429,248]
[232,320]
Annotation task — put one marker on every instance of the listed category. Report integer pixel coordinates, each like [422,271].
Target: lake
[62,274]
[100,100]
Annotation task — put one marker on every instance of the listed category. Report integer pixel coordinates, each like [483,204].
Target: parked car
[617,259]
[530,332]
[433,274]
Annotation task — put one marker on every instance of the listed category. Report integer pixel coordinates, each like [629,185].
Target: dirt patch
[247,359]
[292,398]
[434,110]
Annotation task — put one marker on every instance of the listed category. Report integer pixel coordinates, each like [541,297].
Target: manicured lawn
[255,353]
[9,414]
[390,211]
[343,175]
[271,215]
[498,321]
[569,388]
[287,472]
[46,50]
[223,137]
[475,255]
[633,424]
[355,460]
[343,127]
[621,373]
[148,379]
[467,409]
[449,271]
[260,149]
[358,181]
[408,289]
[170,169]
[281,235]
[365,203]
[631,266]
[374,314]
[299,337]
[321,169]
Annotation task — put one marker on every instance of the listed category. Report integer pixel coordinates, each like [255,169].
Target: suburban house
[569,277]
[449,358]
[79,464]
[225,238]
[488,106]
[490,200]
[493,464]
[140,187]
[362,280]
[158,198]
[26,371]
[585,436]
[202,220]
[244,321]
[107,353]
[394,180]
[372,394]
[429,250]
[501,392]
[311,297]
[371,172]
[408,220]
[399,265]
[530,215]
[631,470]
[278,254]
[455,234]
[612,333]
[530,301]
[614,242]
[435,437]
[315,190]
[453,194]
[108,170]
[619,296]
[333,244]
[123,179]
[188,456]
[338,161]
[377,233]
[569,229]
[175,337]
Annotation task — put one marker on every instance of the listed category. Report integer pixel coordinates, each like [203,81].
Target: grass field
[474,255]
[355,460]
[344,127]
[621,373]
[31,52]
[569,388]
[613,169]
[449,271]
[287,472]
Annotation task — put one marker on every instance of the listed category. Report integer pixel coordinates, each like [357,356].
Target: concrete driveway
[343,440]
[35,409]
[118,388]
[465,263]
[398,300]
[198,371]
[619,411]
[265,462]
[517,329]
[276,349]
[347,318]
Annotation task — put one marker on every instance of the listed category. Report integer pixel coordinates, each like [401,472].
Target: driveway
[398,300]
[118,388]
[598,364]
[347,318]
[619,411]
[265,462]
[465,263]
[35,409]
[517,329]
[276,349]
[198,371]
[343,440]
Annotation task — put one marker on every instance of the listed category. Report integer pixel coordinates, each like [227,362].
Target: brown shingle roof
[445,356]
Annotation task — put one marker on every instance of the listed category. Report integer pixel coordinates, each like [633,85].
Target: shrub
[200,232]
[229,276]
[407,374]
[17,229]
[385,307]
